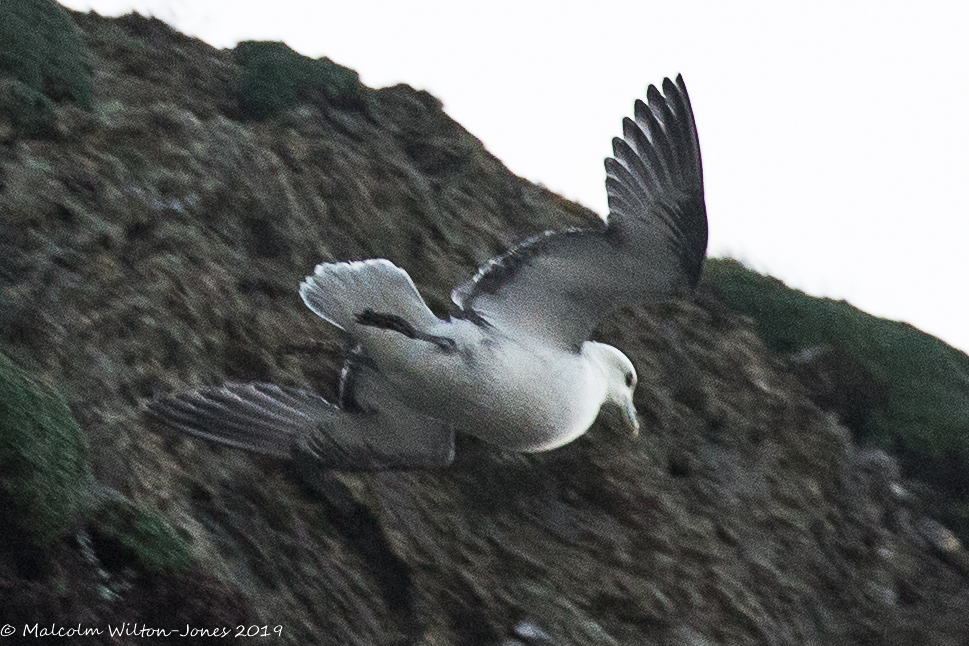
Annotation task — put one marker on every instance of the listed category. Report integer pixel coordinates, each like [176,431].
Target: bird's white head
[620,379]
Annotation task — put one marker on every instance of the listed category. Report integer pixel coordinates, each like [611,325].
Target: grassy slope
[928,404]
[43,459]
[925,416]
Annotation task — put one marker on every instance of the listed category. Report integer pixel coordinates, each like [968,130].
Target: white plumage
[513,365]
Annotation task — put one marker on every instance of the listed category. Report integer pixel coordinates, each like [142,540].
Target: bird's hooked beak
[624,413]
[631,417]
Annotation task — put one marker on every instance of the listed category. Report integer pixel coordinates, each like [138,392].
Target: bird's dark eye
[629,379]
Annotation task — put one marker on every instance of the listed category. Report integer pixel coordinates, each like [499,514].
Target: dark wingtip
[617,145]
[681,88]
[666,167]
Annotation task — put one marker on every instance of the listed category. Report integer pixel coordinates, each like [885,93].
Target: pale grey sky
[835,134]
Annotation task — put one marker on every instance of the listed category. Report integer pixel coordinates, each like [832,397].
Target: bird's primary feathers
[513,366]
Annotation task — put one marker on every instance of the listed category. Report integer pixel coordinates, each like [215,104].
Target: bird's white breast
[518,394]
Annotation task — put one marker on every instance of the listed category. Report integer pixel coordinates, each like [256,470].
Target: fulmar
[513,365]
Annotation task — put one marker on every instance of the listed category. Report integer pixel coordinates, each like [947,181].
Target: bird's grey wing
[257,417]
[301,426]
[558,285]
[376,431]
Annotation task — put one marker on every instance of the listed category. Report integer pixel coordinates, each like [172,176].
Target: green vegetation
[924,419]
[31,113]
[275,78]
[42,52]
[44,471]
[927,408]
[47,489]
[126,535]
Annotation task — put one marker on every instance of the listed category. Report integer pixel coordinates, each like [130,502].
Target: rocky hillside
[154,242]
[892,385]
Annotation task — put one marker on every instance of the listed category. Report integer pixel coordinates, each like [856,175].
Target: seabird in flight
[513,366]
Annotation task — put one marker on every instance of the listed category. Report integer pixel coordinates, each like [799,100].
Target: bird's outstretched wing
[557,285]
[257,417]
[300,426]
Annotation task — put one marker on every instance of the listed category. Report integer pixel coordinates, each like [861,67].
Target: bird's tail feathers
[342,292]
